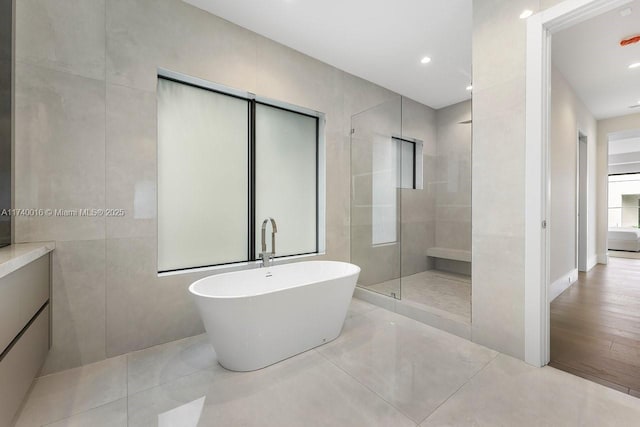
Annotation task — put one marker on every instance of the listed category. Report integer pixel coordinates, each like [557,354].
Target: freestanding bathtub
[255,318]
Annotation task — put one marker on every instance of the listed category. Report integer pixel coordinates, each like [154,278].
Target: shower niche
[411,209]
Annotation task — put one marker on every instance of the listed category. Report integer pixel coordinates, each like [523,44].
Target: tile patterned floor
[384,370]
[437,289]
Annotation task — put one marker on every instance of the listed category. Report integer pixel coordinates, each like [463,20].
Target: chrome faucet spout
[267,257]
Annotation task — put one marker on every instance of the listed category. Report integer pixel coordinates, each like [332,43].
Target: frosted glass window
[385,173]
[395,164]
[286,178]
[227,161]
[203,183]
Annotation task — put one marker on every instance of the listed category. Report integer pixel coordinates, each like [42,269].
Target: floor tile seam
[80,367]
[74,414]
[49,423]
[366,387]
[167,381]
[24,402]
[459,388]
[127,397]
[178,342]
[90,407]
[130,355]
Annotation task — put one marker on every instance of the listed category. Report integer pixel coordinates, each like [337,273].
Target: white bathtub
[257,317]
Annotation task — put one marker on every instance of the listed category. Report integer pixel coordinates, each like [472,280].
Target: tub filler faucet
[267,257]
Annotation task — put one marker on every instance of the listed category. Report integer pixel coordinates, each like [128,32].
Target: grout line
[106,130]
[23,404]
[127,388]
[48,423]
[130,87]
[365,386]
[74,414]
[55,69]
[106,312]
[458,389]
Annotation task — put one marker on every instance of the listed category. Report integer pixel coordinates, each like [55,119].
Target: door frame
[540,28]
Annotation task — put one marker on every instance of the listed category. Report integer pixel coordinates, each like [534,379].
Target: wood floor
[595,326]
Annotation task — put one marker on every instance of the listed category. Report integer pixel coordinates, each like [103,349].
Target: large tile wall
[439,214]
[371,130]
[453,177]
[499,57]
[418,214]
[498,169]
[415,219]
[85,138]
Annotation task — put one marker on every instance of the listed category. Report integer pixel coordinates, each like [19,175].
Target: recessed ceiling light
[470,87]
[634,65]
[425,60]
[626,11]
[526,13]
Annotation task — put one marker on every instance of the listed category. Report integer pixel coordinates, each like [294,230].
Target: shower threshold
[436,298]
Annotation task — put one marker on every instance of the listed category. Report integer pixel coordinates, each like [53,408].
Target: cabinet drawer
[22,294]
[21,364]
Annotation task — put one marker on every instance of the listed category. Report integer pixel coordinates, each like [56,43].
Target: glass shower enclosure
[411,204]
[375,204]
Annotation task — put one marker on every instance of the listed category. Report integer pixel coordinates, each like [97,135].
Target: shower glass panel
[376,174]
[411,205]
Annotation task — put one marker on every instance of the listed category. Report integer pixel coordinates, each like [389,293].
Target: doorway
[591,328]
[582,204]
[540,28]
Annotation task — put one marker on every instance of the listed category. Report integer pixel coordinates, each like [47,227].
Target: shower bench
[452,260]
[452,254]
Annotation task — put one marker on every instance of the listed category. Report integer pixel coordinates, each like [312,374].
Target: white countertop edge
[18,255]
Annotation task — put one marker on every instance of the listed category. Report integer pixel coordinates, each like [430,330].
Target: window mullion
[252,180]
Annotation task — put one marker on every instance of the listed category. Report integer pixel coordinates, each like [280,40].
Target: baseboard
[624,254]
[563,283]
[591,262]
[603,258]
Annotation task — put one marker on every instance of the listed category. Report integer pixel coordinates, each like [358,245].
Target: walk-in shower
[411,205]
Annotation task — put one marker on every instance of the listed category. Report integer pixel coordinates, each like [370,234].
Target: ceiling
[379,40]
[597,67]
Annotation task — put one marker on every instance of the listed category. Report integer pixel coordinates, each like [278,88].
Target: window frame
[252,176]
[252,101]
[414,160]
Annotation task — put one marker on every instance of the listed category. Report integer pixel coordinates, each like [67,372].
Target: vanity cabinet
[24,324]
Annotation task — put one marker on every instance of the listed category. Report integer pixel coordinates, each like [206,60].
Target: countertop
[18,255]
